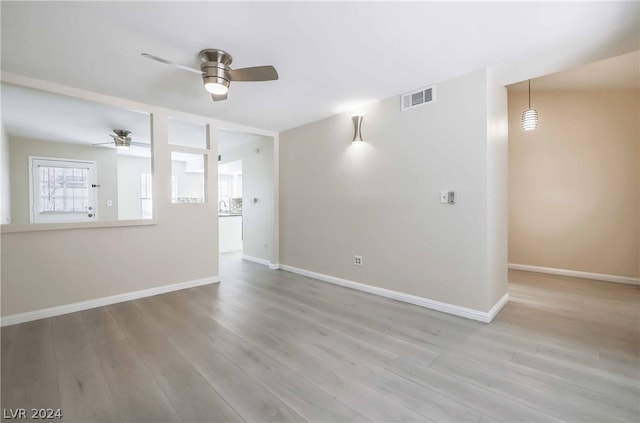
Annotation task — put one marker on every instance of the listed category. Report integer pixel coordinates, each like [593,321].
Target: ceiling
[330,56]
[620,72]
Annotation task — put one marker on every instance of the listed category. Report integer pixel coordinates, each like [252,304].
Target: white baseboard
[576,274]
[468,313]
[99,302]
[255,259]
[272,266]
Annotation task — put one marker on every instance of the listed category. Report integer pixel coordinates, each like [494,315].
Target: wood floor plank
[482,397]
[84,393]
[385,341]
[521,386]
[628,392]
[8,341]
[32,371]
[306,399]
[357,395]
[268,345]
[387,316]
[137,396]
[189,393]
[101,326]
[360,361]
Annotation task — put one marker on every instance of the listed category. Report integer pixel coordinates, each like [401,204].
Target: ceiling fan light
[217,88]
[122,147]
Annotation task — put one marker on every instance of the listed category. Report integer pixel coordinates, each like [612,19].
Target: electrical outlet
[357,260]
[266,245]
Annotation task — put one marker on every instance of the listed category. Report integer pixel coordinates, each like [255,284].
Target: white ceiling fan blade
[141,144]
[170,63]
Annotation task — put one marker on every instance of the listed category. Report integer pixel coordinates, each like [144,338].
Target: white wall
[5,187]
[106,168]
[380,198]
[497,188]
[130,170]
[257,182]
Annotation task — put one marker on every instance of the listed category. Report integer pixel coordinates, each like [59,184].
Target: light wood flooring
[272,346]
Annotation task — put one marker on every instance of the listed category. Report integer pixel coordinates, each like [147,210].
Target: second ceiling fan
[216,73]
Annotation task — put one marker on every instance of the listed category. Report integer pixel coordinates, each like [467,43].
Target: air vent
[418,98]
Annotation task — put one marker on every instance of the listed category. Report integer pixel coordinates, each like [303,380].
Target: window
[188,177]
[62,190]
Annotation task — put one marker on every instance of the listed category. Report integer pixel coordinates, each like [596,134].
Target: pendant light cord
[529,94]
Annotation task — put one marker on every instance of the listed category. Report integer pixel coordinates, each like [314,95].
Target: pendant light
[529,116]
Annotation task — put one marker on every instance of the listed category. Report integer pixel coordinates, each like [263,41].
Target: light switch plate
[447,197]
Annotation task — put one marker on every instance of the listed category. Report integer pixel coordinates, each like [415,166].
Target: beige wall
[5,187]
[106,165]
[574,185]
[257,182]
[380,198]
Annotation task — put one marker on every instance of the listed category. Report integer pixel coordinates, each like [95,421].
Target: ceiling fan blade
[141,144]
[103,143]
[219,97]
[256,73]
[170,63]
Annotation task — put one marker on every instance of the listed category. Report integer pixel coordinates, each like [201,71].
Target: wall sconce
[357,123]
[529,116]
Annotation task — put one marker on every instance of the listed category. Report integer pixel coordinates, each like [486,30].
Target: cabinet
[229,233]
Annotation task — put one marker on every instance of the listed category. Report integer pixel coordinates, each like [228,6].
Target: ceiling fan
[122,140]
[216,73]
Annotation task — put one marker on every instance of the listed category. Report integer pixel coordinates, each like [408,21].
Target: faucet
[220,204]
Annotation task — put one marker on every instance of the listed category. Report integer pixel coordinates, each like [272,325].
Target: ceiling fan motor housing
[122,138]
[214,66]
[122,133]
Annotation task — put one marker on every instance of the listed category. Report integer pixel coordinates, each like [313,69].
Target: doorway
[246,192]
[230,207]
[573,180]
